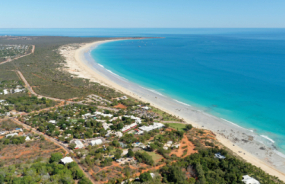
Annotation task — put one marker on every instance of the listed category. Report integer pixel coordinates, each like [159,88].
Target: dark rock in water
[262,148]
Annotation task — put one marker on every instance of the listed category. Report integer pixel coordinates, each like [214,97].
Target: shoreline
[226,133]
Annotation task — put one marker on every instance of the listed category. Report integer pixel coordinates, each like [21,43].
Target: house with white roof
[27,138]
[106,125]
[52,121]
[66,160]
[151,127]
[5,91]
[96,142]
[219,156]
[78,144]
[11,135]
[249,180]
[128,127]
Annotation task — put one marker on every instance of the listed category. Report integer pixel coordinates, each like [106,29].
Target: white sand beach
[243,142]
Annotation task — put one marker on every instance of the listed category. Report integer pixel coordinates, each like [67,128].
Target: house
[106,125]
[11,135]
[219,156]
[27,138]
[146,108]
[3,132]
[78,144]
[119,134]
[52,121]
[96,142]
[129,127]
[152,175]
[86,115]
[5,91]
[249,180]
[125,151]
[152,127]
[19,129]
[66,160]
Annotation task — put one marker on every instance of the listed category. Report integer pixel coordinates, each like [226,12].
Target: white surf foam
[101,65]
[233,124]
[153,91]
[119,77]
[266,137]
[182,103]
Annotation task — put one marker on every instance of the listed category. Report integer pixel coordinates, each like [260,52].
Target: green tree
[144,177]
[55,157]
[189,127]
[130,153]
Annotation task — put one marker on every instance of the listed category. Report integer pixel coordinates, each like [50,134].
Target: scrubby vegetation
[41,171]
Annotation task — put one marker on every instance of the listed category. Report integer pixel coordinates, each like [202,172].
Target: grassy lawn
[164,115]
[177,125]
[156,157]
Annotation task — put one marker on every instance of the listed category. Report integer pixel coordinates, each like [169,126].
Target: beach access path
[32,51]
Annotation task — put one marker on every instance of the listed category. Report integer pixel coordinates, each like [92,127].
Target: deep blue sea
[235,74]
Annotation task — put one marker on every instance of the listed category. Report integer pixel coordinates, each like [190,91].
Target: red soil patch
[184,144]
[120,106]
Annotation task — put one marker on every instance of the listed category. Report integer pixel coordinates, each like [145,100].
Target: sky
[142,14]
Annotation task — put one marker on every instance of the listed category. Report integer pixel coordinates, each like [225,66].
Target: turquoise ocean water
[235,74]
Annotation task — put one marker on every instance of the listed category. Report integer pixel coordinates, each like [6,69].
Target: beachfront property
[219,156]
[122,98]
[152,127]
[249,180]
[66,160]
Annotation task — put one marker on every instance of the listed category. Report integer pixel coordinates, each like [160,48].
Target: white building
[146,108]
[5,91]
[96,142]
[52,121]
[219,156]
[27,138]
[249,180]
[86,115]
[102,114]
[78,144]
[128,127]
[106,125]
[66,160]
[11,135]
[151,127]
